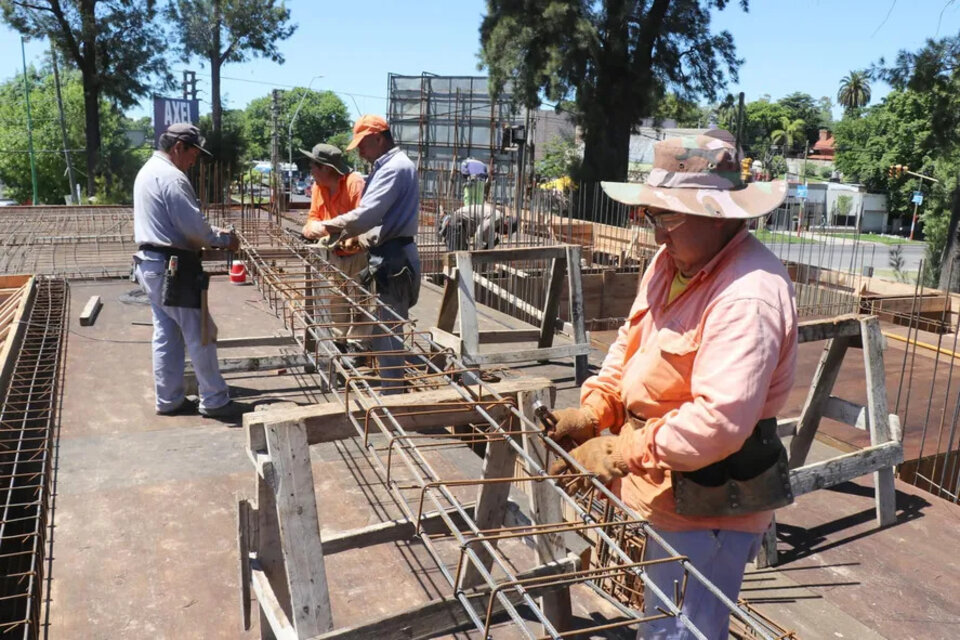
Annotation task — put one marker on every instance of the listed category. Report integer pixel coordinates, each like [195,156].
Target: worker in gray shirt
[170,231]
[387,219]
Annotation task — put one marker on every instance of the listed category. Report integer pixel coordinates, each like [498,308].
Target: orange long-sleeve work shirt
[702,369]
[324,206]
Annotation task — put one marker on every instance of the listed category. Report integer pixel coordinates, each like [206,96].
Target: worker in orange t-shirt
[336,190]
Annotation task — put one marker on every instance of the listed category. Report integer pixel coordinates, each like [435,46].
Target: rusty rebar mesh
[742,632]
[299,285]
[28,419]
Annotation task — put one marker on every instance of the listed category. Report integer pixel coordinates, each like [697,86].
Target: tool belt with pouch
[755,478]
[184,280]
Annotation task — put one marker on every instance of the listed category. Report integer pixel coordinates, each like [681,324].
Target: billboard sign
[167,111]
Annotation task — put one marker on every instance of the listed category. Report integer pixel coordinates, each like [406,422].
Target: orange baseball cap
[366,125]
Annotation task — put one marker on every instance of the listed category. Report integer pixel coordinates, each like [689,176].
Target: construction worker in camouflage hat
[691,388]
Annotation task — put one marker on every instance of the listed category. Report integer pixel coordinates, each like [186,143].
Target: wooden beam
[847,412]
[548,320]
[839,326]
[877,419]
[467,305]
[326,422]
[255,341]
[90,310]
[576,312]
[845,467]
[823,380]
[259,363]
[391,531]
[511,255]
[270,609]
[447,615]
[297,518]
[527,355]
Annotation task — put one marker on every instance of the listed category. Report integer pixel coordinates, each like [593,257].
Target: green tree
[802,106]
[614,58]
[789,134]
[560,159]
[854,90]
[322,116]
[117,46]
[120,161]
[686,113]
[222,31]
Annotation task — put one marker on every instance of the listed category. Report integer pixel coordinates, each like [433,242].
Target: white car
[6,202]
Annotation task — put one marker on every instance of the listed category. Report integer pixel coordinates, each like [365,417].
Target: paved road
[846,256]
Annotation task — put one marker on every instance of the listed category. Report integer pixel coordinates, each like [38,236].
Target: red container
[238,273]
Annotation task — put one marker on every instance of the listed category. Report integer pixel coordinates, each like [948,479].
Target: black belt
[391,245]
[170,251]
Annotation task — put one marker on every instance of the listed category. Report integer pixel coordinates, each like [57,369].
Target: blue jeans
[398,287]
[174,328]
[719,555]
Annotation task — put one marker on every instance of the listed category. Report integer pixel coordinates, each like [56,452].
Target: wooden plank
[467,305]
[10,346]
[846,412]
[446,339]
[823,381]
[244,515]
[508,335]
[299,526]
[545,508]
[498,462]
[516,254]
[576,312]
[447,615]
[558,269]
[259,363]
[447,316]
[837,327]
[273,615]
[877,418]
[90,310]
[391,531]
[326,422]
[255,341]
[528,355]
[269,569]
[845,467]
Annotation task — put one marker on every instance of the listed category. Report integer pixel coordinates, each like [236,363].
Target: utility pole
[189,85]
[26,94]
[63,125]
[275,152]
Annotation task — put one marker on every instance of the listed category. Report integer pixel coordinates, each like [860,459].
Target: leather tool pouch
[183,286]
[755,478]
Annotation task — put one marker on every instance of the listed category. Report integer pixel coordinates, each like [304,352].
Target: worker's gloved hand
[579,424]
[314,230]
[600,456]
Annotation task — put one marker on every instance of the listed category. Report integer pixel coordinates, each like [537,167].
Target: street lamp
[293,119]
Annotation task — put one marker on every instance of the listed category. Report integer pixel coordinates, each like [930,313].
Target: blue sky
[795,45]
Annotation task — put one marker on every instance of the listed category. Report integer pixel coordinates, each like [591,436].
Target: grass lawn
[780,237]
[876,237]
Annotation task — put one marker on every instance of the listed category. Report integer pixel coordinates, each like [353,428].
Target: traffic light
[897,170]
[745,165]
[891,171]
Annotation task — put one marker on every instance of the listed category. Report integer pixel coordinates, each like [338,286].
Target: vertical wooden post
[267,546]
[447,316]
[469,331]
[822,385]
[548,325]
[546,507]
[576,309]
[491,507]
[299,528]
[877,417]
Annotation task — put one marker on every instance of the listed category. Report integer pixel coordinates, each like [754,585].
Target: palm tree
[854,90]
[789,133]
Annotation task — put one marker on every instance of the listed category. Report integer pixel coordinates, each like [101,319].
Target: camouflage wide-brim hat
[699,175]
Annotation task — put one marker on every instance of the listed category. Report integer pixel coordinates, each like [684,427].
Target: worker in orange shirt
[337,189]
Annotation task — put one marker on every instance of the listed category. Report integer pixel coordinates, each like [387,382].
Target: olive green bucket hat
[699,175]
[329,155]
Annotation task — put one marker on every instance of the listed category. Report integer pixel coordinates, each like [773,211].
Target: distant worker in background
[170,232]
[478,219]
[387,218]
[338,189]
